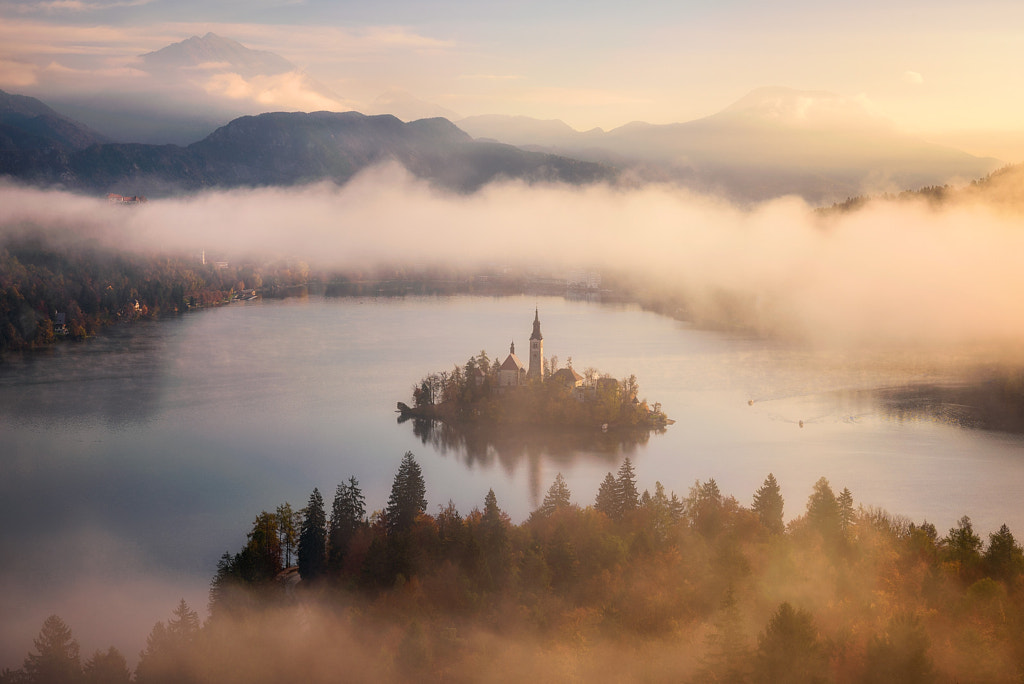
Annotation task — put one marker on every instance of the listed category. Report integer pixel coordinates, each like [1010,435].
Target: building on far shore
[114,198]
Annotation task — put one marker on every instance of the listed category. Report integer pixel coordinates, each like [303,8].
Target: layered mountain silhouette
[274,149]
[771,143]
[774,141]
[28,125]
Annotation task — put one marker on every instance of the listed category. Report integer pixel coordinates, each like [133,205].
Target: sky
[944,69]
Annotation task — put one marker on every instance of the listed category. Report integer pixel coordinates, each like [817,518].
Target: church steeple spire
[536,349]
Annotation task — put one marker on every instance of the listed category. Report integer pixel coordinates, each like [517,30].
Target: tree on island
[313,539]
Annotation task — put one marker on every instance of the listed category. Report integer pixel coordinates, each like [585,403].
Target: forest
[631,586]
[72,291]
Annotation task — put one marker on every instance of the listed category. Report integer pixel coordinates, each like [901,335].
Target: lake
[131,462]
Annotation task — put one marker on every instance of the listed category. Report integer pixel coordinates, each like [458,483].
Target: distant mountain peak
[229,54]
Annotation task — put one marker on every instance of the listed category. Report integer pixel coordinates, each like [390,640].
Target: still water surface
[130,463]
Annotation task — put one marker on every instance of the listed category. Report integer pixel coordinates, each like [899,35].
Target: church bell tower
[536,369]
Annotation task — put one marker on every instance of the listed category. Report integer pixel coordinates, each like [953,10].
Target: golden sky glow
[948,70]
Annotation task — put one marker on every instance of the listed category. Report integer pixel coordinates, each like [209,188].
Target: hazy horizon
[936,71]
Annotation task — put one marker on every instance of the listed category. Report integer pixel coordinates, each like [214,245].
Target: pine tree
[704,507]
[823,509]
[313,539]
[558,497]
[347,514]
[170,650]
[1004,559]
[846,513]
[107,667]
[408,496]
[789,649]
[768,504]
[57,658]
[625,482]
[607,501]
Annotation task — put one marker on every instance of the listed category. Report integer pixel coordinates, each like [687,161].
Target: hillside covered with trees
[72,290]
[637,586]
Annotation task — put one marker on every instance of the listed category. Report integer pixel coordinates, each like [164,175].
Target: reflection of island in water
[991,403]
[505,411]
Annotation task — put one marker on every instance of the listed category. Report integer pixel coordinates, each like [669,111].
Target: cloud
[291,90]
[913,78]
[17,74]
[895,274]
[490,77]
[71,6]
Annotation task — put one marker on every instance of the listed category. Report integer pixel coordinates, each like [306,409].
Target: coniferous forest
[621,585]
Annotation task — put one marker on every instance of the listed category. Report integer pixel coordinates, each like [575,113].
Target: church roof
[567,375]
[511,362]
[536,326]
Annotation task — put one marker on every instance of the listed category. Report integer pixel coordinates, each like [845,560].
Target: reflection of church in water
[512,373]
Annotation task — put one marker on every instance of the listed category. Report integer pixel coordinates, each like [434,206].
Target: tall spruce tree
[823,510]
[170,652]
[607,501]
[313,539]
[846,512]
[408,496]
[768,504]
[558,497]
[57,656]
[625,482]
[347,514]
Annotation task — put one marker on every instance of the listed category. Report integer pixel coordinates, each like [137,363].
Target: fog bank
[891,274]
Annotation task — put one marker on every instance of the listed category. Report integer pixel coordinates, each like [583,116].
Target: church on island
[512,373]
[514,392]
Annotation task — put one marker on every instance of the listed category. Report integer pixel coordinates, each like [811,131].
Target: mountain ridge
[291,148]
[771,142]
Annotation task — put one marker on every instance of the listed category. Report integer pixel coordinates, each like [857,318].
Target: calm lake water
[130,463]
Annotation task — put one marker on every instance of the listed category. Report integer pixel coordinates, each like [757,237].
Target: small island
[541,394]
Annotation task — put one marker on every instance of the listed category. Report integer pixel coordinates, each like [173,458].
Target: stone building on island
[512,373]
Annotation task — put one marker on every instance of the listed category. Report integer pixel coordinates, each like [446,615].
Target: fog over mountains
[201,94]
[774,141]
